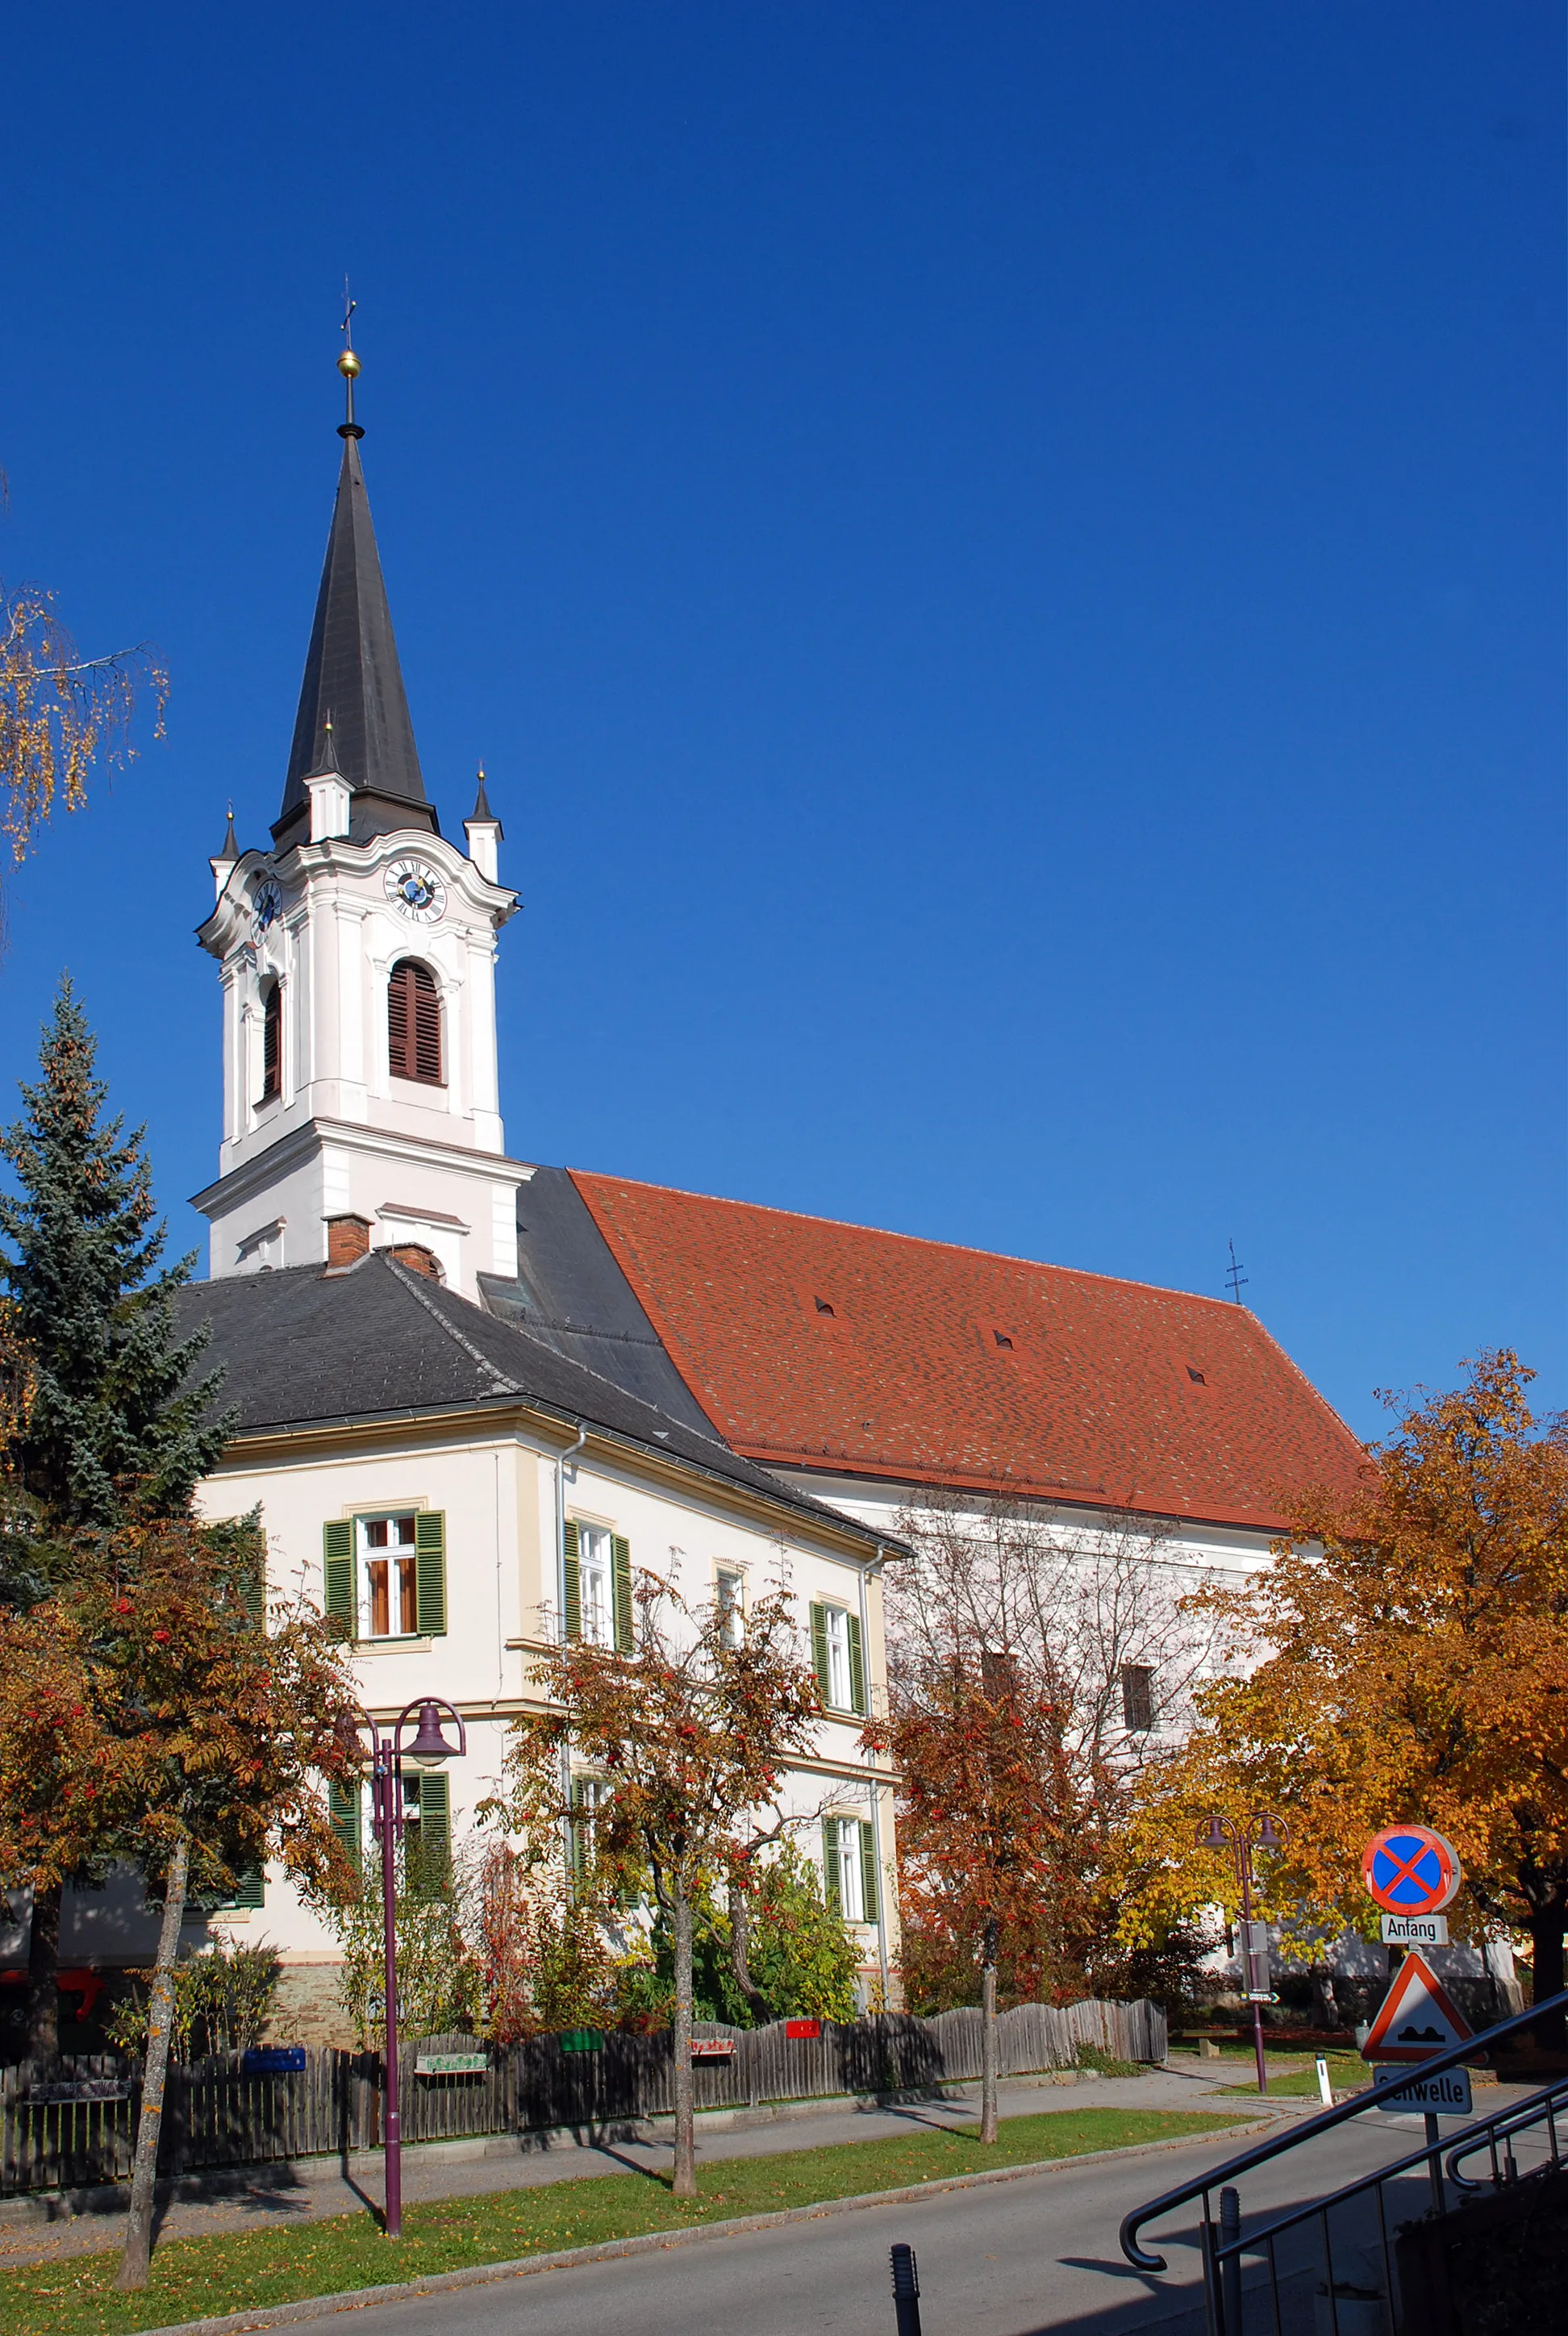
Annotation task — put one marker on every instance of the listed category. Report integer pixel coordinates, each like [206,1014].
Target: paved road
[1005,2260]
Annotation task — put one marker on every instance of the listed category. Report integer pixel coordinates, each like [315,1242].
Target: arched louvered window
[271,1041]
[413,1024]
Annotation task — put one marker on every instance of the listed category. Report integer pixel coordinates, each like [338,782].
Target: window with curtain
[388,1580]
[414,1048]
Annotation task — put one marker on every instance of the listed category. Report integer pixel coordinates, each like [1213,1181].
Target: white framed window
[838,1658]
[849,1868]
[729,1603]
[593,1562]
[599,1605]
[389,1577]
[589,1796]
[838,1639]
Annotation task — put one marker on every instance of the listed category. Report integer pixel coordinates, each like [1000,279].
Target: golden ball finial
[348,365]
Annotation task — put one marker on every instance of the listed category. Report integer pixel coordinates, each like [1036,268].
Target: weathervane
[349,367]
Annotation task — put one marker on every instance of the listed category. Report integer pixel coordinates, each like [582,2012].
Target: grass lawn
[203,2278]
[1294,2078]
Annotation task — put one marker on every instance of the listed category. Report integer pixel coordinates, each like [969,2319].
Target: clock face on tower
[267,905]
[415,891]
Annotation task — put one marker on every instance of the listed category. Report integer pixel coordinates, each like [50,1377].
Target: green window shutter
[868,1873]
[251,1889]
[857,1666]
[436,1819]
[820,1649]
[253,1587]
[831,1890]
[620,1577]
[430,1573]
[577,1834]
[573,1583]
[338,1570]
[342,1800]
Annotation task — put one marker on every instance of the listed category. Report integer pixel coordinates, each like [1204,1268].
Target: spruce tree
[118,1427]
[119,1430]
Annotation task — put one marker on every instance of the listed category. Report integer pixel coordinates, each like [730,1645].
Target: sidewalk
[267,2196]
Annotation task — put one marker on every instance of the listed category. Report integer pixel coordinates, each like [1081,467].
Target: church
[473,1391]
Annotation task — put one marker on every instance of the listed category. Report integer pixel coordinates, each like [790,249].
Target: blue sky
[1005,563]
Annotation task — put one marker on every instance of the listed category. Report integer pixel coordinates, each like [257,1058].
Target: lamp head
[429,1743]
[1212,1834]
[1271,1836]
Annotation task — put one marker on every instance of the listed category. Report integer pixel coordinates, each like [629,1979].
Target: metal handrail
[1358,2106]
[1222,2254]
[1502,2127]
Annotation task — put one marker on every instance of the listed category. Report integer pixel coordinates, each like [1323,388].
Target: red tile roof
[938,1365]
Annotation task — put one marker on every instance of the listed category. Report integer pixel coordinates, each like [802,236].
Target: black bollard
[906,2291]
[1231,2270]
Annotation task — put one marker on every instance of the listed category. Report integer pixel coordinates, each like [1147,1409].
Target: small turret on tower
[225,857]
[484,833]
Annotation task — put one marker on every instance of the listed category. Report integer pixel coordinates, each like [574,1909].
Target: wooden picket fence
[75,2126]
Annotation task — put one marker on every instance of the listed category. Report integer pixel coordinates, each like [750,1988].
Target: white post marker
[1325,2089]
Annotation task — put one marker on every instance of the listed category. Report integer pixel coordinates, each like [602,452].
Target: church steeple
[352,703]
[361,1100]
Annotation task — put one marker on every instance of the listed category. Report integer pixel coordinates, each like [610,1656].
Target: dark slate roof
[573,1296]
[304,1346]
[353,680]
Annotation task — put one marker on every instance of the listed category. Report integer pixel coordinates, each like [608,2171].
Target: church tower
[360,1102]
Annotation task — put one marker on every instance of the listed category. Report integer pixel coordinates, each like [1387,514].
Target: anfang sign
[451,2064]
[1411,1870]
[1415,1930]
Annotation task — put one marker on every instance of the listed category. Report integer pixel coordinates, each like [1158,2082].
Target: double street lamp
[1262,1831]
[386,1754]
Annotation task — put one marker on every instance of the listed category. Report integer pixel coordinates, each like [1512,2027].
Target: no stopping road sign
[1410,1870]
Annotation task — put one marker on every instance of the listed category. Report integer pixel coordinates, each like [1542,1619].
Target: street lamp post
[386,1819]
[1262,1831]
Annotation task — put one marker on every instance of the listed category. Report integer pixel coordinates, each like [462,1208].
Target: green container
[582,2040]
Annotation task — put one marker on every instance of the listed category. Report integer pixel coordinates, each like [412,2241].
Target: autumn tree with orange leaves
[686,1740]
[152,1711]
[1405,1657]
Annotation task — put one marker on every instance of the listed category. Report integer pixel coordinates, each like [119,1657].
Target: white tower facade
[360,1100]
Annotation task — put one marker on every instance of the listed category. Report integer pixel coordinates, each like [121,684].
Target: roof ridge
[519,1330]
[410,1282]
[921,1241]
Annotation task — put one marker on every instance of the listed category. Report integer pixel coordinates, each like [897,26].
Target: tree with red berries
[990,1816]
[686,1742]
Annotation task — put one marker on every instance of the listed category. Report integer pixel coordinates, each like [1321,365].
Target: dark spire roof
[353,681]
[482,809]
[230,847]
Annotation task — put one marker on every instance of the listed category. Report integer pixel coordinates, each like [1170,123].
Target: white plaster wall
[439,1150]
[498,1493]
